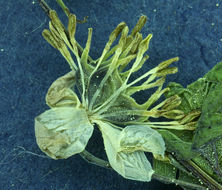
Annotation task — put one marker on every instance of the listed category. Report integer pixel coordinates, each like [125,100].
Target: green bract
[104,89]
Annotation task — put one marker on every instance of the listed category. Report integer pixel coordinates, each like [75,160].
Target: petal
[133,165]
[141,137]
[62,132]
[60,92]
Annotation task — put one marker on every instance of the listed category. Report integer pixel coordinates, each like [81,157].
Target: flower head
[105,90]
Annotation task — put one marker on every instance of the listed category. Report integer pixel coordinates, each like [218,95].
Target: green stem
[94,160]
[105,164]
[198,172]
[181,183]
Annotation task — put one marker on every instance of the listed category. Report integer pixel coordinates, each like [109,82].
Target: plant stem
[203,176]
[105,164]
[165,179]
[94,160]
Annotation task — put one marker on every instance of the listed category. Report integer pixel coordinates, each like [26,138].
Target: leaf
[164,169]
[204,94]
[215,74]
[177,143]
[210,122]
[132,165]
[209,129]
[192,97]
[207,139]
[167,172]
[141,137]
[62,132]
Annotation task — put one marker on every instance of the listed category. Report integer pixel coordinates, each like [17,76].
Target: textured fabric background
[190,29]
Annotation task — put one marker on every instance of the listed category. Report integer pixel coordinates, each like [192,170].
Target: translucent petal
[60,92]
[143,138]
[62,132]
[132,165]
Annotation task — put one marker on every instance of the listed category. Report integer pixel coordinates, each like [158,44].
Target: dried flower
[104,91]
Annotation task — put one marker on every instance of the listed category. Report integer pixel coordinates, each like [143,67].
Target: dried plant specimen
[99,92]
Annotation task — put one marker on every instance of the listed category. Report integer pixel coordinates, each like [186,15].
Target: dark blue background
[190,29]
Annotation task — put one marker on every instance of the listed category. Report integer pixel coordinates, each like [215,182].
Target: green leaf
[62,132]
[207,139]
[164,169]
[209,129]
[210,123]
[215,74]
[168,173]
[204,94]
[192,97]
[177,143]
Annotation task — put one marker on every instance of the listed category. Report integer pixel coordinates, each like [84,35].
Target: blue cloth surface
[28,65]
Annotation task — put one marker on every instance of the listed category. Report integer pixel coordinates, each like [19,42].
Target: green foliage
[177,145]
[201,148]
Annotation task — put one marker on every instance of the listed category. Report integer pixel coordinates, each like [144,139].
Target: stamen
[112,66]
[84,62]
[60,45]
[112,38]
